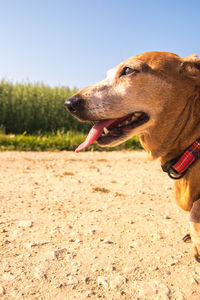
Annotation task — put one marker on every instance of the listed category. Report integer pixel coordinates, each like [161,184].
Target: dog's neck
[167,143]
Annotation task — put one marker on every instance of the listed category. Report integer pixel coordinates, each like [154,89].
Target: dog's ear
[190,66]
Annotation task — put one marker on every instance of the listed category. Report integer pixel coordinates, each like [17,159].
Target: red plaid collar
[177,167]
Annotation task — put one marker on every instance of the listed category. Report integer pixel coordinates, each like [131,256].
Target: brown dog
[155,95]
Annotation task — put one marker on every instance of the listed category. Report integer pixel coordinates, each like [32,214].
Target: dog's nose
[74,104]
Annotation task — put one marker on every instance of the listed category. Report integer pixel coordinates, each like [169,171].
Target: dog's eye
[128,71]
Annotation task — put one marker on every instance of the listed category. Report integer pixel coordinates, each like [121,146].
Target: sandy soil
[92,225]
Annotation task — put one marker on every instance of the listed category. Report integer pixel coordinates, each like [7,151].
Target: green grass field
[33,118]
[56,142]
[34,108]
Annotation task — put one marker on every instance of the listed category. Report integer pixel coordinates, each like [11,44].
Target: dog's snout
[74,104]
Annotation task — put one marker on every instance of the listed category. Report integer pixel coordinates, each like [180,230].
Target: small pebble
[25,223]
[60,253]
[77,241]
[41,271]
[194,280]
[151,290]
[87,280]
[92,231]
[72,280]
[37,244]
[106,241]
[2,290]
[136,244]
[102,280]
[117,282]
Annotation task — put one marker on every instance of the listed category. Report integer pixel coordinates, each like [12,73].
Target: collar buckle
[177,167]
[172,173]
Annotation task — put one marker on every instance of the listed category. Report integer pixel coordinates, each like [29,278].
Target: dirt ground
[92,226]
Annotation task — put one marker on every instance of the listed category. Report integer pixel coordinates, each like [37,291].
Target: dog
[156,96]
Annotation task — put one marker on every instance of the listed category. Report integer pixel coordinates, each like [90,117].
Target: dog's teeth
[106,131]
[127,122]
[134,118]
[137,114]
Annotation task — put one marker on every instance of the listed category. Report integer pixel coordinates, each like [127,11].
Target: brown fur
[168,88]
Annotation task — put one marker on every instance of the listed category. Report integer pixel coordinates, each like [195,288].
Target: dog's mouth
[114,131]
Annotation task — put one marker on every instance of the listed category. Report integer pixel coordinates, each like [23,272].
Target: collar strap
[177,167]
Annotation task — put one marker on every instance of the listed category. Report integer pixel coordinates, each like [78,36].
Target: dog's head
[136,94]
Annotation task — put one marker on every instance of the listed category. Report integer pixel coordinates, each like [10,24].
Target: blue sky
[75,42]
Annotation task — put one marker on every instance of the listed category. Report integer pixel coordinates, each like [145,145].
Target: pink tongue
[94,134]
